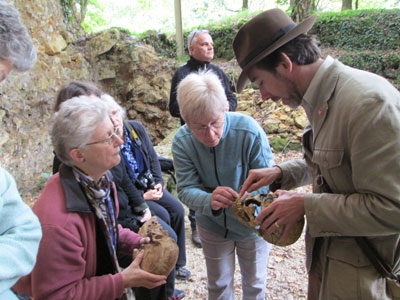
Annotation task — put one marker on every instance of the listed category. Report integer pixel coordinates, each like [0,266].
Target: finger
[245,187]
[273,226]
[138,258]
[264,214]
[233,193]
[154,283]
[286,232]
[227,193]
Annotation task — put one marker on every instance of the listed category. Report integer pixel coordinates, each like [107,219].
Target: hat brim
[303,27]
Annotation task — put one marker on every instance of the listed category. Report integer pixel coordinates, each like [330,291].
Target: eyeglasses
[108,140]
[203,129]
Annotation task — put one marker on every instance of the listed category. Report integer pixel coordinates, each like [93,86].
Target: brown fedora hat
[262,35]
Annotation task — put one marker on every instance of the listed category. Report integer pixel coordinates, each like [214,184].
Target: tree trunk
[292,3]
[346,4]
[301,10]
[314,5]
[245,4]
[84,4]
[356,6]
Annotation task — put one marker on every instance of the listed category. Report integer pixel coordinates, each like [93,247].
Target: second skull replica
[161,254]
[246,209]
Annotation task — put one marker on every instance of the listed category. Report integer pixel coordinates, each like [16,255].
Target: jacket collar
[74,196]
[319,92]
[197,64]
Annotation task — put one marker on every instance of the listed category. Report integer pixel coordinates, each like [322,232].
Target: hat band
[281,32]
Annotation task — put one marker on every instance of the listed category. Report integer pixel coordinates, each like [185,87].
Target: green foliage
[364,39]
[282,144]
[386,64]
[67,9]
[359,29]
[160,42]
[94,17]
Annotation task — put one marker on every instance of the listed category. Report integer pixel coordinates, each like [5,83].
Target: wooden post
[178,31]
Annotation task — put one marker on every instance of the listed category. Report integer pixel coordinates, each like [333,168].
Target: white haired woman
[213,154]
[78,211]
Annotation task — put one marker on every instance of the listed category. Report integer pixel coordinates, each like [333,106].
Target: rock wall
[129,71]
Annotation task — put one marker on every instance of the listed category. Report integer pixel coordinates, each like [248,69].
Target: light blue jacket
[200,169]
[20,234]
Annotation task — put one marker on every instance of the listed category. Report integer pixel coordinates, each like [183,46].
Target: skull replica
[245,209]
[161,254]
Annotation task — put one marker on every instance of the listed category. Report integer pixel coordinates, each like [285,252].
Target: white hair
[199,94]
[75,123]
[111,103]
[192,37]
[15,43]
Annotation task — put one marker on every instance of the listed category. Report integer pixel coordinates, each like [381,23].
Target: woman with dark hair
[142,164]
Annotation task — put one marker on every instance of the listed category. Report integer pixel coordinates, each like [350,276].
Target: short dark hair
[76,89]
[302,50]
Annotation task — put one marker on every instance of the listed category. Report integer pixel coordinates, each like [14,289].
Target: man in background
[20,231]
[201,51]
[351,156]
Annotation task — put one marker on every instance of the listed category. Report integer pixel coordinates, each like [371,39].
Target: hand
[134,276]
[145,240]
[223,197]
[146,215]
[286,210]
[260,177]
[154,194]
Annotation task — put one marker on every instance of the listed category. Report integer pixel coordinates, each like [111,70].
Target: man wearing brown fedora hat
[351,151]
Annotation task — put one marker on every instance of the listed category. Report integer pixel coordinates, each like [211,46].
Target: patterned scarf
[99,198]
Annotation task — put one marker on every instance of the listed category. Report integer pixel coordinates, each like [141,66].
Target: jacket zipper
[219,184]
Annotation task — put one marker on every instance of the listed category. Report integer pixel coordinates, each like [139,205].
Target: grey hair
[201,93]
[16,45]
[192,37]
[75,123]
[111,103]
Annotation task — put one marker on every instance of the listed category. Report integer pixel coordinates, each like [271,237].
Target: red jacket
[66,266]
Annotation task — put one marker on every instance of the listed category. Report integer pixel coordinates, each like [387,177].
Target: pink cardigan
[66,263]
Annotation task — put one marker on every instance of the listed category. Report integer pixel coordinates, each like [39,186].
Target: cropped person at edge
[20,231]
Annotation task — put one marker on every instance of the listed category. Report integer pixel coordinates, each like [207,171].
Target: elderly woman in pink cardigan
[78,212]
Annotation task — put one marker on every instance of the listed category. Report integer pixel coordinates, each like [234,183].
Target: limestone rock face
[245,209]
[131,72]
[161,254]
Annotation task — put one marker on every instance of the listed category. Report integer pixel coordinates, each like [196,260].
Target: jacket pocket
[333,168]
[346,250]
[349,274]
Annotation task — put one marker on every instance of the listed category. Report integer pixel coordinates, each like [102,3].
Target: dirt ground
[287,278]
